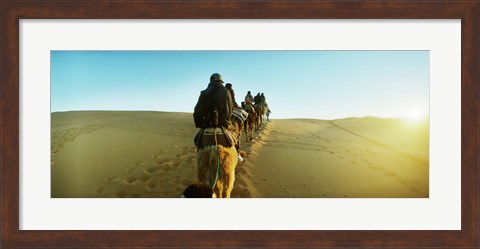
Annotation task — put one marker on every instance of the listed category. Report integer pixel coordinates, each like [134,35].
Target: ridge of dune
[405,154]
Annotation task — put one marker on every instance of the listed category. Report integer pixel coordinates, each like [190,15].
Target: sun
[414,116]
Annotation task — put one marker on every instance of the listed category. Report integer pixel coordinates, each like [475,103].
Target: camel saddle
[213,136]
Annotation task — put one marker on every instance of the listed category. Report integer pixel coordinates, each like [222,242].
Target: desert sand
[108,154]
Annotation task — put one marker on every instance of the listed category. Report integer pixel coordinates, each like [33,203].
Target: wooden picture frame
[12,11]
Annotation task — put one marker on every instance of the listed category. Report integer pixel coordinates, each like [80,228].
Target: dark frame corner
[13,10]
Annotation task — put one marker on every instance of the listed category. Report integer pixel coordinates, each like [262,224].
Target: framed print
[62,58]
[140,176]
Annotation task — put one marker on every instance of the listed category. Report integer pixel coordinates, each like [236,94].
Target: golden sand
[151,154]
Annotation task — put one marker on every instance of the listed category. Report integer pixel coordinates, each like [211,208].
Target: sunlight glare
[414,116]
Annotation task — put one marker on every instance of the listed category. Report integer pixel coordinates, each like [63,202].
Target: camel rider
[249,98]
[257,99]
[249,103]
[262,99]
[232,94]
[212,114]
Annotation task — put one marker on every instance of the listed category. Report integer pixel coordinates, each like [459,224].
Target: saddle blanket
[240,114]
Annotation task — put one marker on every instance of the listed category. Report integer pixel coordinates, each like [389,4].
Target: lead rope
[218,157]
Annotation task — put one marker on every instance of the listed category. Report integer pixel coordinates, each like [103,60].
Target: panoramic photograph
[240,124]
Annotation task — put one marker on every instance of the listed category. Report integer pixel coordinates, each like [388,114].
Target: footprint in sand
[391,174]
[165,183]
[136,195]
[176,164]
[145,178]
[186,182]
[100,191]
[167,162]
[169,165]
[113,180]
[153,169]
[242,193]
[139,163]
[160,152]
[166,193]
[368,162]
[121,194]
[178,190]
[240,171]
[131,180]
[242,185]
[188,150]
[183,156]
[152,185]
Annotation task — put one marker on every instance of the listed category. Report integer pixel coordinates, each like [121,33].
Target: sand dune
[151,154]
[343,158]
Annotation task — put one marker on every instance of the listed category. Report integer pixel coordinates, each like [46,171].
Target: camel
[216,163]
[250,122]
[216,168]
[259,109]
[238,118]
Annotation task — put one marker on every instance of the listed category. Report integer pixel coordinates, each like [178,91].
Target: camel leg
[229,172]
[252,136]
[252,127]
[219,190]
[229,178]
[229,184]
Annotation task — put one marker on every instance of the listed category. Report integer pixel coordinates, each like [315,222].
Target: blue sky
[297,84]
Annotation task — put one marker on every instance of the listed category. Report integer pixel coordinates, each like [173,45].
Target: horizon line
[318,118]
